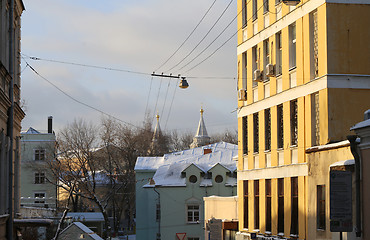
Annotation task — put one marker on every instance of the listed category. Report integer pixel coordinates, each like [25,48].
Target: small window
[193,179]
[281,205]
[193,213]
[255,133]
[256,204]
[246,202]
[321,215]
[219,179]
[39,178]
[39,197]
[39,154]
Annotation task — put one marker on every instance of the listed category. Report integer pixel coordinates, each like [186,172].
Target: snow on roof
[86,216]
[328,146]
[148,163]
[85,230]
[31,131]
[362,124]
[169,174]
[343,163]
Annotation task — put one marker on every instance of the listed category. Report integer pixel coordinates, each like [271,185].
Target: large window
[39,178]
[280,127]
[315,114]
[244,70]
[266,57]
[321,216]
[256,204]
[267,129]
[245,134]
[245,191]
[39,154]
[244,12]
[255,133]
[254,3]
[279,54]
[281,205]
[294,199]
[292,46]
[314,45]
[268,205]
[193,213]
[294,122]
[254,63]
[266,6]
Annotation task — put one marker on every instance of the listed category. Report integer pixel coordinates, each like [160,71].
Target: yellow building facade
[303,81]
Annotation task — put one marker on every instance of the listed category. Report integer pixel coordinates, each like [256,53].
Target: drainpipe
[354,143]
[159,220]
[10,121]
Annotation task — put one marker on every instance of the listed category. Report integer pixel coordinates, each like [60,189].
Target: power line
[76,100]
[188,36]
[218,19]
[221,45]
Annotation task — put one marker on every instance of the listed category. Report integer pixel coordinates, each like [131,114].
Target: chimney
[207,151]
[50,124]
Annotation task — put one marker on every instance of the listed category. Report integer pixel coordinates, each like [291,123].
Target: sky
[133,36]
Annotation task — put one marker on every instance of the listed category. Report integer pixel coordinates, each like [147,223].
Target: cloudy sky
[137,36]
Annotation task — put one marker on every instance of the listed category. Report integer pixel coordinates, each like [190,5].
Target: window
[244,12]
[254,3]
[315,110]
[294,199]
[279,54]
[245,134]
[39,197]
[294,122]
[292,46]
[244,71]
[281,205]
[255,133]
[158,212]
[219,179]
[277,1]
[193,213]
[266,57]
[254,63]
[315,45]
[39,178]
[268,205]
[280,127]
[193,179]
[267,129]
[265,6]
[39,154]
[245,190]
[321,216]
[256,204]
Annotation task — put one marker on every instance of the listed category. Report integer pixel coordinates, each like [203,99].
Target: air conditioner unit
[242,95]
[257,75]
[291,2]
[270,70]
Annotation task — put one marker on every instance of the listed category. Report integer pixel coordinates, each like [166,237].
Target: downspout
[10,122]
[354,151]
[159,217]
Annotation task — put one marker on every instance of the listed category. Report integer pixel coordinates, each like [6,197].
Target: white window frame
[192,209]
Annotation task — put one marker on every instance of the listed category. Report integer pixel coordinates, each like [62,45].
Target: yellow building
[303,81]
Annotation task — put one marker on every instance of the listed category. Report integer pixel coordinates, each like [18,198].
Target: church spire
[201,136]
[157,145]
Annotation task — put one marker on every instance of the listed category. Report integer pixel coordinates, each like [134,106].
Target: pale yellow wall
[220,208]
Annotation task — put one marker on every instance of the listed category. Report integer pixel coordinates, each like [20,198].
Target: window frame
[193,213]
[245,134]
[246,204]
[256,184]
[268,129]
[280,127]
[256,132]
[268,205]
[39,178]
[292,46]
[321,207]
[39,154]
[294,208]
[280,226]
[294,122]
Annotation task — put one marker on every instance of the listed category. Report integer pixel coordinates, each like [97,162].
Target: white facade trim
[326,81]
[293,170]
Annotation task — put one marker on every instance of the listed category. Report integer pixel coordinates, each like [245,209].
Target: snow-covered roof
[86,216]
[168,168]
[343,163]
[85,229]
[362,124]
[31,131]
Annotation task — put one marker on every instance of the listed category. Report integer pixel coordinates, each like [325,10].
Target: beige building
[11,113]
[303,81]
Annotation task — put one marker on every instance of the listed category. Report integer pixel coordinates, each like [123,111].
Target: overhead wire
[204,37]
[187,38]
[147,100]
[173,97]
[223,44]
[165,98]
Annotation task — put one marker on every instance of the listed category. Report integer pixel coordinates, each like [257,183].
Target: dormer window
[219,179]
